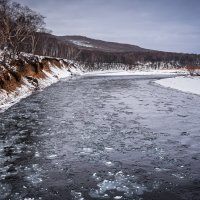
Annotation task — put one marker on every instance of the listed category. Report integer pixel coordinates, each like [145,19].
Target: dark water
[102,138]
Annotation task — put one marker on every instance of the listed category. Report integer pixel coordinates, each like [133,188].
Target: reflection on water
[101,138]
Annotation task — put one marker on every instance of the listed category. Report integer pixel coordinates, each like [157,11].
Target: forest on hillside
[23,30]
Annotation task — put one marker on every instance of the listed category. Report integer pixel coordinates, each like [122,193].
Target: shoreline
[7,99]
[187,84]
[135,73]
[56,74]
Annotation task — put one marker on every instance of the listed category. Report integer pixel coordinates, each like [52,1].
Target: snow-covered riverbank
[136,72]
[184,83]
[21,79]
[28,84]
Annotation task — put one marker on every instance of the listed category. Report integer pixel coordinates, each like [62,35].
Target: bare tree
[18,26]
[4,21]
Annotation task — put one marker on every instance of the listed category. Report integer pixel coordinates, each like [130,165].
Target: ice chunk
[5,190]
[77,195]
[179,176]
[118,197]
[120,182]
[52,156]
[108,148]
[109,163]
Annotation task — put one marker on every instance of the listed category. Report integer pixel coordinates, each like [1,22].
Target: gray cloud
[171,25]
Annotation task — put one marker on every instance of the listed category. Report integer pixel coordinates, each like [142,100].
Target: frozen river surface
[102,138]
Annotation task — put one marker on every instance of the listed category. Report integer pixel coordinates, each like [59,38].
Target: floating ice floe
[96,177]
[109,163]
[87,151]
[29,199]
[34,178]
[118,197]
[76,195]
[5,190]
[158,169]
[121,183]
[108,148]
[37,154]
[179,176]
[52,156]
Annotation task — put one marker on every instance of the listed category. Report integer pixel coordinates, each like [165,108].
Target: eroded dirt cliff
[23,75]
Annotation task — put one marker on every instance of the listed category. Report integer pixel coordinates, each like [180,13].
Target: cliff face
[28,73]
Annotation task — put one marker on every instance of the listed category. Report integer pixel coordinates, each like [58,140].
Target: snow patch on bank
[82,43]
[184,83]
[8,99]
[53,76]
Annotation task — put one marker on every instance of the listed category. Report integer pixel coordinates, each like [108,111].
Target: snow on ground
[54,76]
[9,99]
[183,83]
[82,43]
[137,72]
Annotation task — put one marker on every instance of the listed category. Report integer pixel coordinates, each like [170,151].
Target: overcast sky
[169,25]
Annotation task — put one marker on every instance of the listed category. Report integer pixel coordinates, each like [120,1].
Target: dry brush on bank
[193,69]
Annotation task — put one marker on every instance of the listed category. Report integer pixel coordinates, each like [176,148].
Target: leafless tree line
[19,26]
[22,29]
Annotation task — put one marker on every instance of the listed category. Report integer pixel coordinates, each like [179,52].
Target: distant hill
[92,44]
[93,53]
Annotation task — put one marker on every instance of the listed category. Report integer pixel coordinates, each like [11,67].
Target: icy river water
[96,137]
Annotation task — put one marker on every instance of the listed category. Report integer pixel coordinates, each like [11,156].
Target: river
[102,137]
